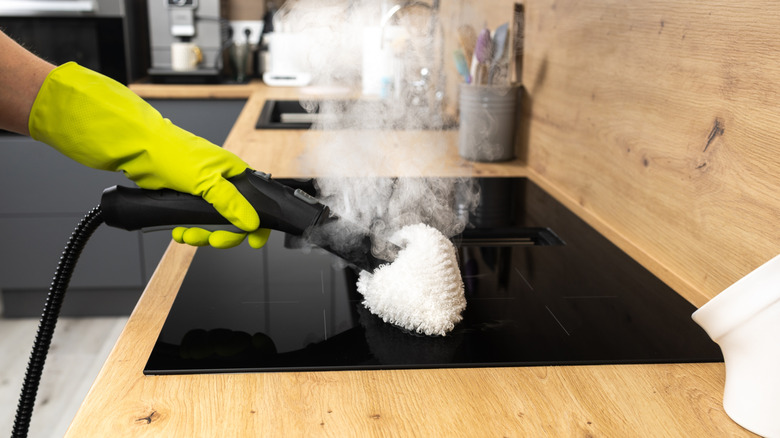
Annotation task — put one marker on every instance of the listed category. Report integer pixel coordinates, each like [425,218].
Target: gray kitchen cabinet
[44,196]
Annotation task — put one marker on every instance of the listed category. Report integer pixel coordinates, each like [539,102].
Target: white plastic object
[289,64]
[744,320]
[276,79]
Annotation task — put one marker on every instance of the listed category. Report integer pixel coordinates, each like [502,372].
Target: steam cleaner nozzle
[279,206]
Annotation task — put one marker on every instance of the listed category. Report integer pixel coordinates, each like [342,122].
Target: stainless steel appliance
[108,36]
[200,22]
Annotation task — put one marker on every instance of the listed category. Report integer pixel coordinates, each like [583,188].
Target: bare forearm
[21,76]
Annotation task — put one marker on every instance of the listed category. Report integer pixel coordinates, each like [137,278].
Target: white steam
[377,137]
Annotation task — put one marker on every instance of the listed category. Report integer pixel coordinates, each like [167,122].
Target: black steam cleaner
[280,207]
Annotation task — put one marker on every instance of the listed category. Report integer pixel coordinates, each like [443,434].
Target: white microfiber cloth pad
[422,290]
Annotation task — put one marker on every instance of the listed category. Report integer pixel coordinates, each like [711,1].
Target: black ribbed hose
[51,311]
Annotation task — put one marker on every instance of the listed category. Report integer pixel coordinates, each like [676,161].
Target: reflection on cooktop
[543,288]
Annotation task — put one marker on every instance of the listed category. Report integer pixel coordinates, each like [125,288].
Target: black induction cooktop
[542,287]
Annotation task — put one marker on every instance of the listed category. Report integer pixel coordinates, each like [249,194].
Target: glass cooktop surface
[542,287]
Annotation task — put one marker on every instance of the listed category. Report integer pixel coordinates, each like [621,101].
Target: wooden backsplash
[246,9]
[661,119]
[658,120]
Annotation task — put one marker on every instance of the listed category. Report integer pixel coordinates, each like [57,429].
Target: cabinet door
[32,247]
[38,180]
[44,196]
[107,279]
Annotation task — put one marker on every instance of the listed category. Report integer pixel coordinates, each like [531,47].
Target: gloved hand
[220,238]
[100,123]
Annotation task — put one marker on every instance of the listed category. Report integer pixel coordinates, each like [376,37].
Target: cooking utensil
[500,37]
[467,38]
[483,53]
[462,65]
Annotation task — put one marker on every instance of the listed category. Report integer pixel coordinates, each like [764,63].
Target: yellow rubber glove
[100,123]
[220,238]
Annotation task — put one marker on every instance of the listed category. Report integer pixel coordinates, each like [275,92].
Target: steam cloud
[368,139]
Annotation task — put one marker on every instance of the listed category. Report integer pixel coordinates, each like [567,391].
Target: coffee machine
[198,26]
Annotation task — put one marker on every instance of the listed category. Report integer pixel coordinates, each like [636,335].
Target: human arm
[100,123]
[21,76]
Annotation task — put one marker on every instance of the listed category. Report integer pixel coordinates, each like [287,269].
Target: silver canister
[487,122]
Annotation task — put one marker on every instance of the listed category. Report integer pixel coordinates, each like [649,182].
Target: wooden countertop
[606,400]
[205,91]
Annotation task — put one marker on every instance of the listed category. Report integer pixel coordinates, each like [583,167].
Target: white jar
[744,320]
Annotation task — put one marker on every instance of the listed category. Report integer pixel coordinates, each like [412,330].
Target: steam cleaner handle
[279,206]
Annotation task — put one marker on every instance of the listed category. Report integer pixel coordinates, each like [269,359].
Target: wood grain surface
[292,153]
[613,400]
[200,91]
[660,119]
